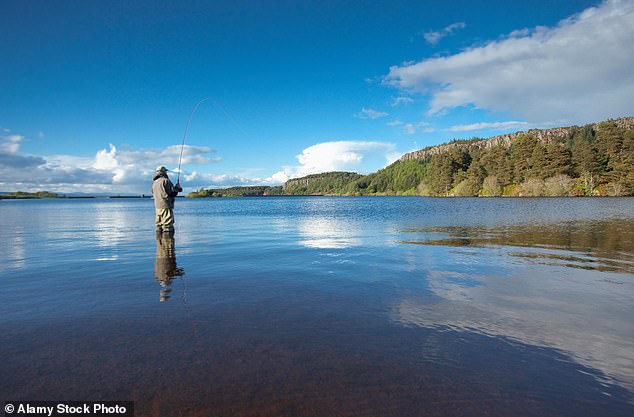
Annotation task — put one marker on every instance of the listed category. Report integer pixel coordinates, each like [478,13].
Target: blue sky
[93,97]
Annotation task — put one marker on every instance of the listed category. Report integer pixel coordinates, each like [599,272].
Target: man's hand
[178,187]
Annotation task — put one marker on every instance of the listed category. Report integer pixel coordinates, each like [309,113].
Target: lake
[322,306]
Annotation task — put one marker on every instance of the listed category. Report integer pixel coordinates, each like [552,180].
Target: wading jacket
[163,191]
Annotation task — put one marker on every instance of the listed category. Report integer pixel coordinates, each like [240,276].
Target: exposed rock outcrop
[542,135]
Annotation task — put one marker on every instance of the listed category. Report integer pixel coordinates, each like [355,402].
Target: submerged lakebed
[322,306]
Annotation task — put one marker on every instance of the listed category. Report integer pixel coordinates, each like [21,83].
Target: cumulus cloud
[129,164]
[114,170]
[434,37]
[486,125]
[578,71]
[336,156]
[370,114]
[125,170]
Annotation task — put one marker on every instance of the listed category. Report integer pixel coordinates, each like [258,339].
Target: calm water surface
[322,306]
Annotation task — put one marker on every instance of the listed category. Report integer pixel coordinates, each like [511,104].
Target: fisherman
[164,193]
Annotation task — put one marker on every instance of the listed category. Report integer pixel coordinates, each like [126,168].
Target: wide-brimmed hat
[161,168]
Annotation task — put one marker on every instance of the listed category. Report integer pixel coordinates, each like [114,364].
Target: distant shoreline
[313,195]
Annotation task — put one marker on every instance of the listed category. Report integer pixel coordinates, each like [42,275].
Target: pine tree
[521,152]
[584,158]
[441,174]
[538,162]
[497,163]
[558,160]
[475,176]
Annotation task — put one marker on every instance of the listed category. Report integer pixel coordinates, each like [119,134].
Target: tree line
[586,162]
[30,195]
[248,191]
[592,160]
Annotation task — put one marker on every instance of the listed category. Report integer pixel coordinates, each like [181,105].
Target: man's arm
[171,189]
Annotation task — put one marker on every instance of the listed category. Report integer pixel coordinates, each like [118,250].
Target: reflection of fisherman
[165,268]
[164,193]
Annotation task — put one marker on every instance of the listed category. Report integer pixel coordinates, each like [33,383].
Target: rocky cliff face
[542,135]
[299,182]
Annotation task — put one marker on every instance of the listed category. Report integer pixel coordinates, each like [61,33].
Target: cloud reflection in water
[573,291]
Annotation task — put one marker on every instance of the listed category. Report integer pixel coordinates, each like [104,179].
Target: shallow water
[322,306]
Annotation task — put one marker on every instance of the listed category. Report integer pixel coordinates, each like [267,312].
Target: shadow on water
[165,267]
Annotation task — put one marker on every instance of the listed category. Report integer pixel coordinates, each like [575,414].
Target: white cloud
[411,128]
[115,170]
[394,123]
[106,159]
[336,156]
[434,37]
[279,177]
[486,125]
[196,155]
[129,164]
[10,144]
[14,138]
[207,180]
[397,101]
[370,114]
[578,71]
[9,147]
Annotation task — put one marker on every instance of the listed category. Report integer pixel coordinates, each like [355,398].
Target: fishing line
[219,107]
[231,118]
[180,158]
[185,136]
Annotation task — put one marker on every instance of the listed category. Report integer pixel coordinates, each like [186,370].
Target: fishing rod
[219,107]
[185,136]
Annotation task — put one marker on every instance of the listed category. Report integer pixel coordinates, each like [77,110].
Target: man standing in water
[164,193]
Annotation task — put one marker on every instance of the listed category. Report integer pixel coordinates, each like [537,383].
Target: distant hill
[595,159]
[320,184]
[544,136]
[250,191]
[592,160]
[20,195]
[328,183]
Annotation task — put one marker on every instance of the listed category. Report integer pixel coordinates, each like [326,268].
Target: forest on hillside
[586,162]
[320,184]
[592,160]
[249,191]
